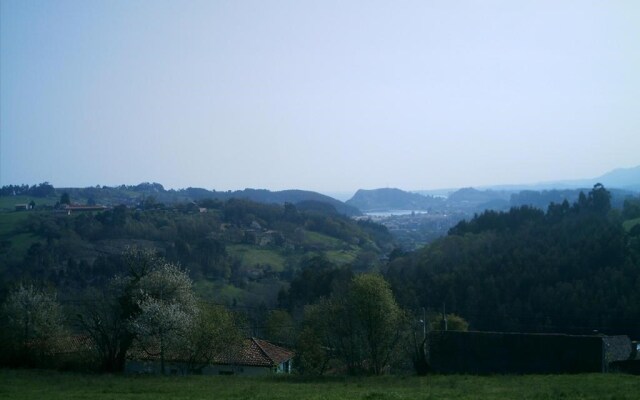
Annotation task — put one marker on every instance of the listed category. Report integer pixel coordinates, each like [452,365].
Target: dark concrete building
[521,353]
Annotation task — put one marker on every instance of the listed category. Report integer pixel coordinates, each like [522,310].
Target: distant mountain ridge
[131,195]
[391,199]
[294,196]
[471,200]
[620,178]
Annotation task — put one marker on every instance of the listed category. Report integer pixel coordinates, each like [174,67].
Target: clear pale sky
[319,95]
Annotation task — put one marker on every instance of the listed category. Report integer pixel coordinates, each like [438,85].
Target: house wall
[285,367]
[485,352]
[153,367]
[236,370]
[617,348]
[173,368]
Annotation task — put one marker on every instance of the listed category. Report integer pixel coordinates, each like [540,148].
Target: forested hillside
[301,275]
[186,278]
[156,194]
[574,268]
[237,251]
[393,199]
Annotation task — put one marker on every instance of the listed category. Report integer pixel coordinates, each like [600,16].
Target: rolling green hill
[392,199]
[249,246]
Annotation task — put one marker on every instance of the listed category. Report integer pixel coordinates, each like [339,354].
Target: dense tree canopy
[167,310]
[153,307]
[75,250]
[32,321]
[362,324]
[573,269]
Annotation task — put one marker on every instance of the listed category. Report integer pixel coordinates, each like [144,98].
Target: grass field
[9,224]
[340,257]
[217,292]
[54,385]
[252,255]
[9,221]
[629,224]
[319,239]
[8,203]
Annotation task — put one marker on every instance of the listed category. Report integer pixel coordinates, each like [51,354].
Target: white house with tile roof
[254,357]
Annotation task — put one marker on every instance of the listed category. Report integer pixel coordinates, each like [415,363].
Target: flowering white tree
[154,306]
[153,294]
[167,314]
[33,321]
[106,313]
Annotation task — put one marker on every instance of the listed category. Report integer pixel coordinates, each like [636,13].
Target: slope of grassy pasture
[252,255]
[10,231]
[629,224]
[8,203]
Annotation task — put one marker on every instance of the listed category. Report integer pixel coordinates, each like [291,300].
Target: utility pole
[444,317]
[424,324]
[421,363]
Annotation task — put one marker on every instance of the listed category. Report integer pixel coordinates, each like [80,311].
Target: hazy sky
[320,95]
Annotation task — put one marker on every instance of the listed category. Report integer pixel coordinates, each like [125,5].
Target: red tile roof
[255,352]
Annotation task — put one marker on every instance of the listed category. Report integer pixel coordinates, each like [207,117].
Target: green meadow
[254,255]
[23,384]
